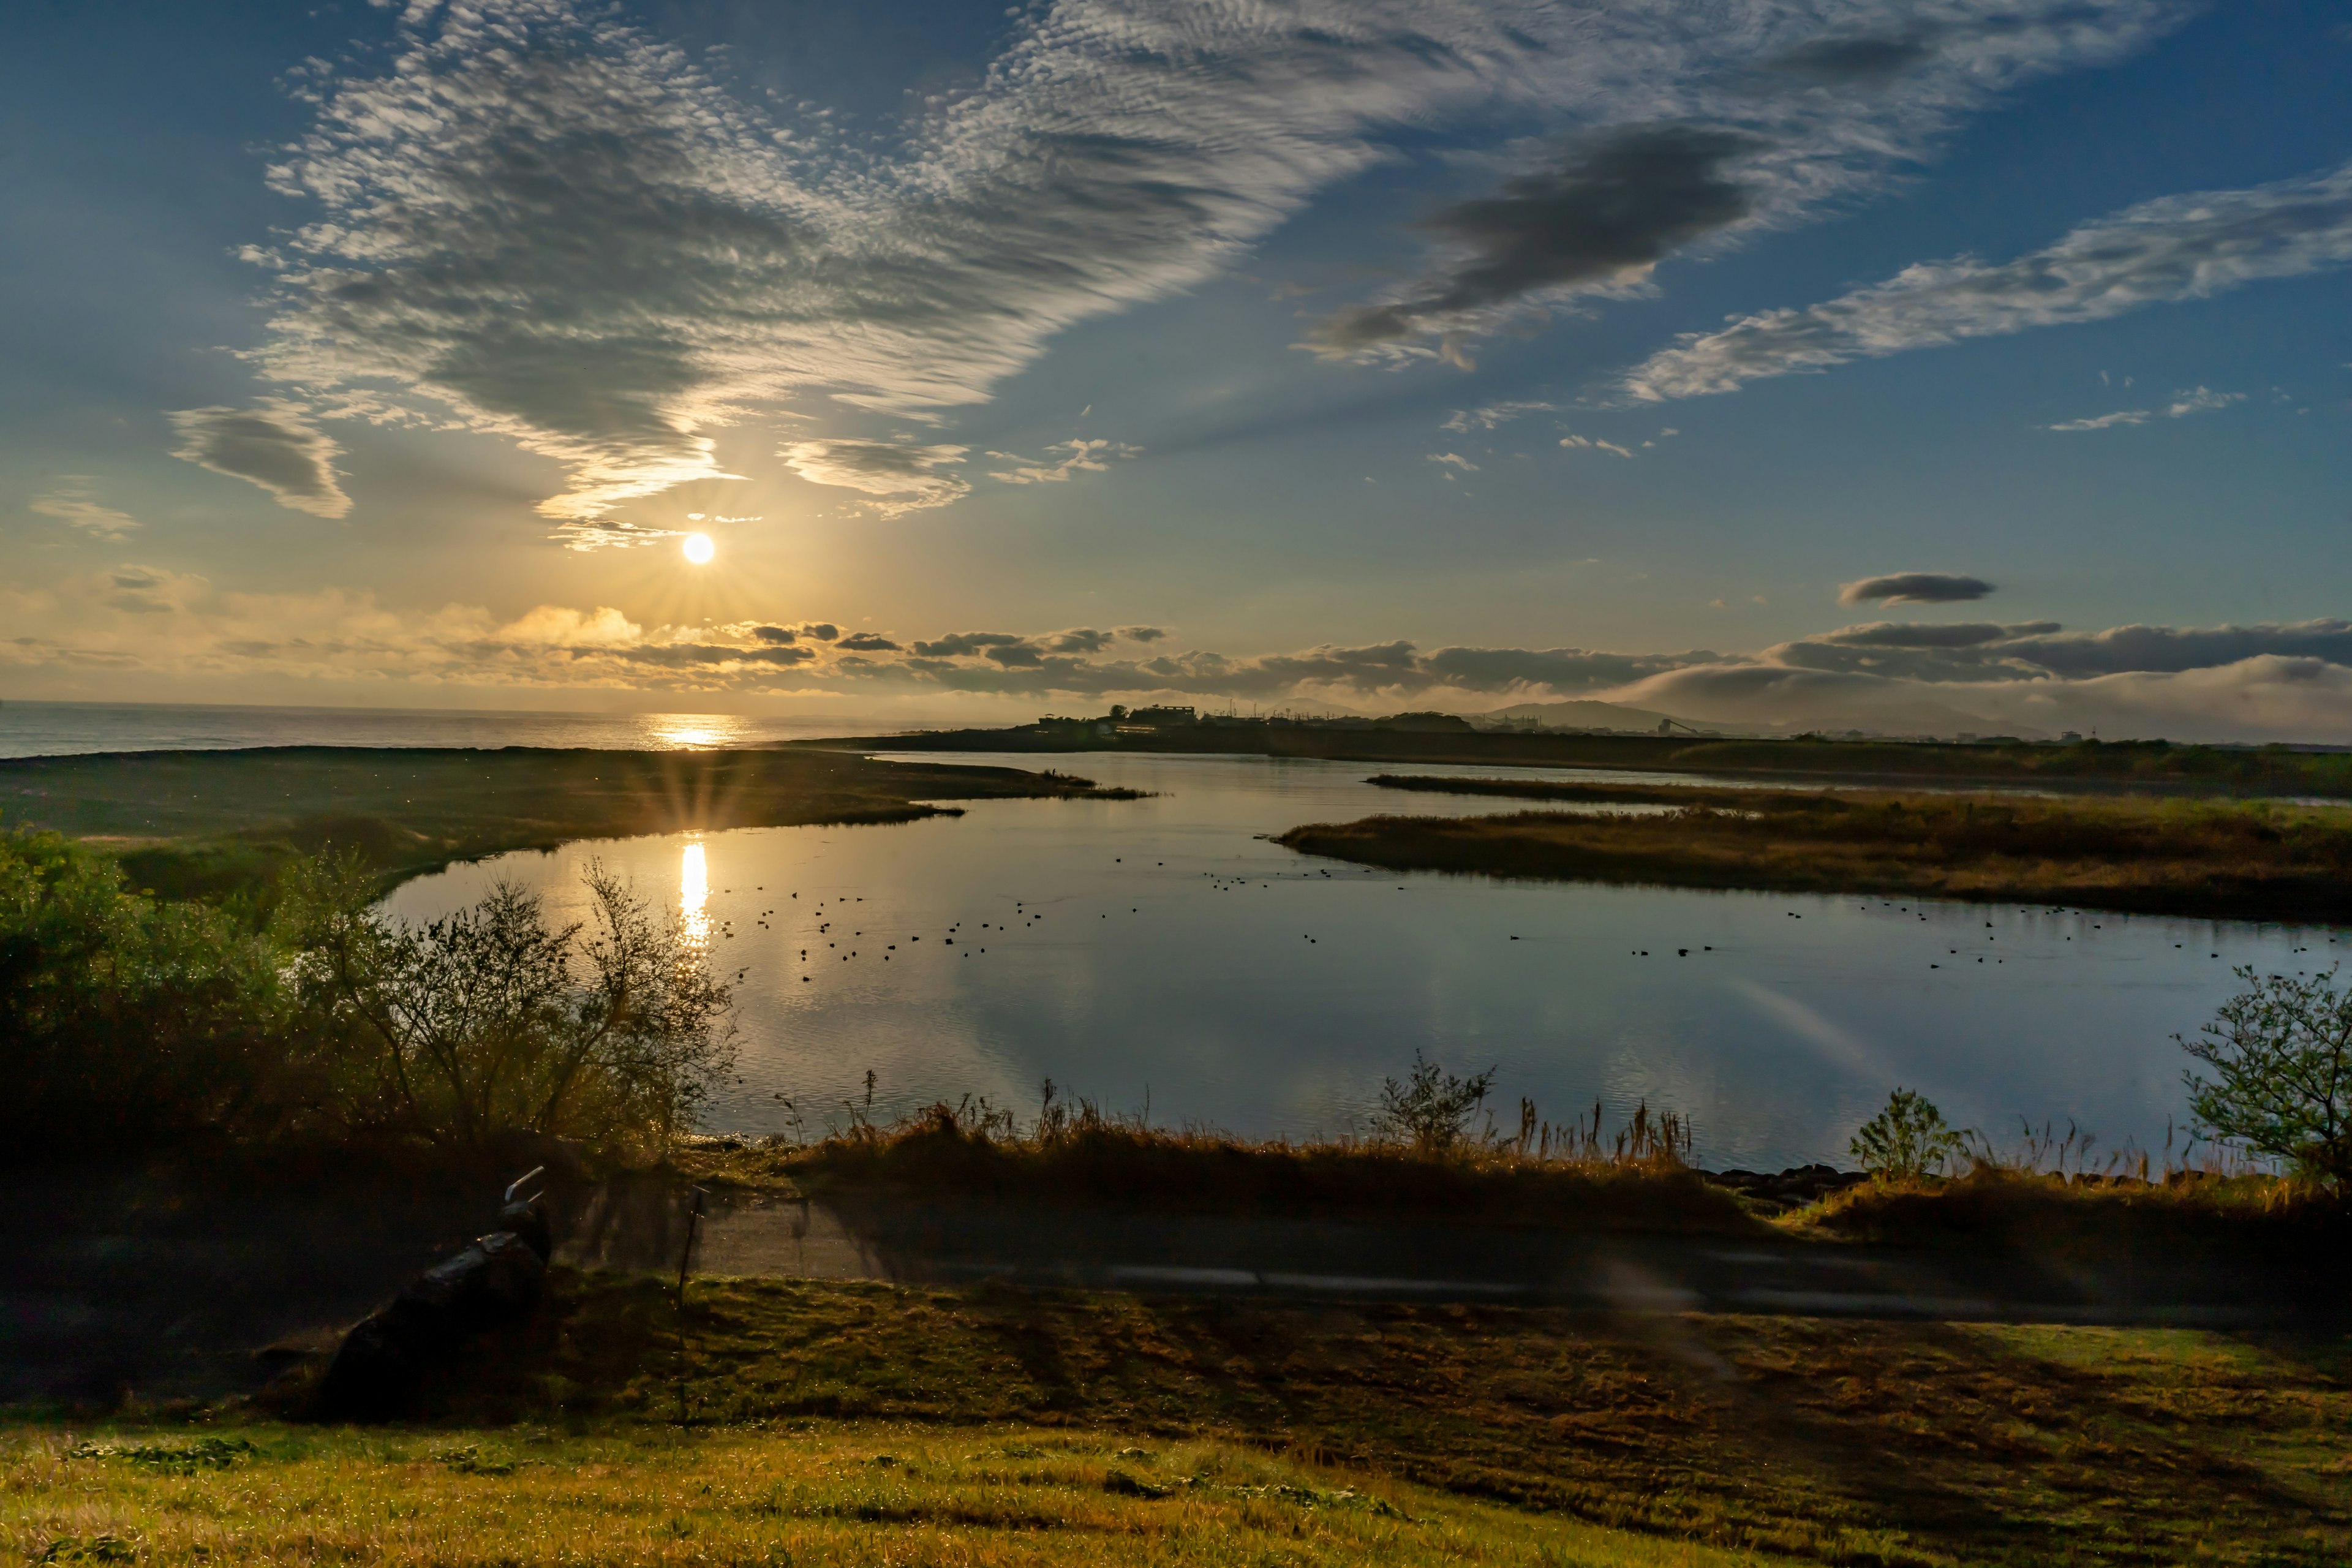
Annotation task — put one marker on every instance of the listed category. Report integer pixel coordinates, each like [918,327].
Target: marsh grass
[1573,1174]
[2262,860]
[869,1494]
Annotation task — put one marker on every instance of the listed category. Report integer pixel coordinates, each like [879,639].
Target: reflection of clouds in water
[693,894]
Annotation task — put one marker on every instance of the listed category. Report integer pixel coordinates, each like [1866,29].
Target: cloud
[1914,588]
[1464,420]
[2184,403]
[2166,251]
[543,222]
[1084,455]
[1953,634]
[1587,443]
[1764,119]
[1606,213]
[2271,681]
[1142,634]
[1454,459]
[909,476]
[1080,640]
[823,631]
[69,501]
[957,644]
[774,633]
[273,445]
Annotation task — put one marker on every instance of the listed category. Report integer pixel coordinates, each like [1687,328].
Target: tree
[1906,1141]
[2280,1051]
[1433,1109]
[496,1021]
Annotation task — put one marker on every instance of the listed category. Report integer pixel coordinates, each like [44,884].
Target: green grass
[2249,860]
[210,823]
[857,1493]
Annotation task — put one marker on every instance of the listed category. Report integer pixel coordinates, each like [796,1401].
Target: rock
[382,1362]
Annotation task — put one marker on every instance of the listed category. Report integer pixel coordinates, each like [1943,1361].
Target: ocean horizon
[46,729]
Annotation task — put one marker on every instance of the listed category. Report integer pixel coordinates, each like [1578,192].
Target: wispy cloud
[2161,252]
[1589,444]
[273,445]
[689,261]
[1081,455]
[2184,403]
[906,477]
[1462,421]
[70,501]
[1759,117]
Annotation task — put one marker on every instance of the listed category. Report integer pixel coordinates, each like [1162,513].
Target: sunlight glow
[693,893]
[698,548]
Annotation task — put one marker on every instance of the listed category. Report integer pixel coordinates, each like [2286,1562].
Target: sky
[1896,364]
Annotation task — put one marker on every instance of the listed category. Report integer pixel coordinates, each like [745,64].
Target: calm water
[1158,952]
[63,729]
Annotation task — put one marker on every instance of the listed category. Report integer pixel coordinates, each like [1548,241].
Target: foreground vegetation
[989,1426]
[2257,860]
[217,823]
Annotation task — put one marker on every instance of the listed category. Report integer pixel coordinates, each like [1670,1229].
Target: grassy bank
[1844,1442]
[194,823]
[2243,860]
[1106,1163]
[850,1493]
[2152,765]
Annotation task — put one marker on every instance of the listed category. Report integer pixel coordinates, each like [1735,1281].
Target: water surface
[1158,952]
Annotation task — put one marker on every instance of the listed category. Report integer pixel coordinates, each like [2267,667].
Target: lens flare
[698,548]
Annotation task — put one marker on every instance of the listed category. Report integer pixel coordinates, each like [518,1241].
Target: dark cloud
[1080,640]
[823,631]
[1914,588]
[1614,206]
[866,642]
[1957,634]
[1016,656]
[772,634]
[1860,59]
[274,446]
[1142,634]
[958,645]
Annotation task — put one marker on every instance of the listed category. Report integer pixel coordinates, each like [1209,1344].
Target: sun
[698,548]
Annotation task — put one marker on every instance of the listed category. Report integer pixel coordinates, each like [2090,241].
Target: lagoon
[1159,956]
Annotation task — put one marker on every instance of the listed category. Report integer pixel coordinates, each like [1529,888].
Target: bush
[496,1021]
[2281,1055]
[122,1019]
[1432,1109]
[1907,1141]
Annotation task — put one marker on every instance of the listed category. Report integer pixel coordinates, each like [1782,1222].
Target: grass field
[212,822]
[851,1493]
[2257,860]
[865,1423]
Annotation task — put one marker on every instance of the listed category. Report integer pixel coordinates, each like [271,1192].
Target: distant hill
[1582,715]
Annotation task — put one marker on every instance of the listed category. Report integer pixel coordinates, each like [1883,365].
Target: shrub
[124,1019]
[2280,1051]
[1432,1110]
[1907,1141]
[496,1021]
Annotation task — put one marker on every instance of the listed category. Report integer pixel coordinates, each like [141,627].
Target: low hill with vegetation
[2249,860]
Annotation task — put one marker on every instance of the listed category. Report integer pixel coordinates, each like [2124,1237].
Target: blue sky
[1391,354]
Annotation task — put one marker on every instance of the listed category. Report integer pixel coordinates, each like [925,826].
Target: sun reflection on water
[692,731]
[693,893]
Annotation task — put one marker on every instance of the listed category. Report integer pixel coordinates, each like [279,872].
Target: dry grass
[1573,1175]
[2258,859]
